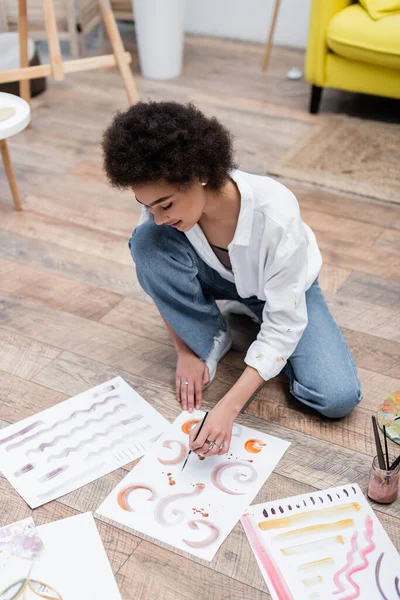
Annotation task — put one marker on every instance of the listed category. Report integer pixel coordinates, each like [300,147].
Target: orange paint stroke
[322,562]
[312,580]
[283,522]
[254,446]
[188,425]
[178,458]
[311,546]
[42,590]
[320,528]
[123,496]
[212,537]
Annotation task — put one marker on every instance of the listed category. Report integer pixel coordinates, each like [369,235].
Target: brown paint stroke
[312,580]
[317,563]
[178,458]
[301,517]
[212,537]
[311,546]
[315,529]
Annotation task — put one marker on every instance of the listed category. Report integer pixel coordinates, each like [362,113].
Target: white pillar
[159,31]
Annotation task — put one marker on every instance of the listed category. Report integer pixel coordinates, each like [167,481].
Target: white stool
[15,115]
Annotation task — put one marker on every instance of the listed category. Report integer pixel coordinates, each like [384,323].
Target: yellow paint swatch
[322,562]
[321,528]
[301,517]
[312,580]
[311,546]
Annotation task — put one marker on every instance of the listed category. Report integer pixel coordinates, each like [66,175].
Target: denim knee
[340,400]
[143,244]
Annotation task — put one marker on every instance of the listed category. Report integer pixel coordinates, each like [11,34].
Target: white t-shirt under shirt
[275,257]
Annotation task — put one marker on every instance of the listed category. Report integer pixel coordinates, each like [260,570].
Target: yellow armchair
[349,50]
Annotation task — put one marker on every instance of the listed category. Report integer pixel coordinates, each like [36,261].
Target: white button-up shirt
[275,257]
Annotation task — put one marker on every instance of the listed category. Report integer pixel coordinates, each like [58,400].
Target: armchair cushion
[377,9]
[354,35]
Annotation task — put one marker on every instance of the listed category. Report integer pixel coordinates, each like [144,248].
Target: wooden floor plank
[156,573]
[87,301]
[67,235]
[87,269]
[23,356]
[375,290]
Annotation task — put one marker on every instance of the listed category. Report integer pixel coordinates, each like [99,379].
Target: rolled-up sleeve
[285,310]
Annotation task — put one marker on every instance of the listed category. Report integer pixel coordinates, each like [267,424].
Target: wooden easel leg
[72,32]
[52,40]
[10,173]
[119,51]
[24,86]
[268,45]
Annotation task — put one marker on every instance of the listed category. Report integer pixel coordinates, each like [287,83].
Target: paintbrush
[197,435]
[386,448]
[395,463]
[378,445]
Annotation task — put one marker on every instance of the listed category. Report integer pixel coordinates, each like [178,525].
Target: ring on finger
[185,383]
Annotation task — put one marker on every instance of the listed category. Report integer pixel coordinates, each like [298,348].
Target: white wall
[249,20]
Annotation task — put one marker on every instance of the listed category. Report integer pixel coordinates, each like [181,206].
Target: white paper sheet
[73,565]
[323,546]
[20,547]
[194,509]
[78,440]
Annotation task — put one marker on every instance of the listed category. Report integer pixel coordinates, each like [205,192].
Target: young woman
[209,231]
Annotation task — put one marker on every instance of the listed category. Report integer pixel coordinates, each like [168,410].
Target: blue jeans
[321,370]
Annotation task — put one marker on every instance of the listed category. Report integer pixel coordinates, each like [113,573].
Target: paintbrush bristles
[378,445]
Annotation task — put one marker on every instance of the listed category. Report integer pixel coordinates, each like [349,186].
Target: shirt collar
[244,225]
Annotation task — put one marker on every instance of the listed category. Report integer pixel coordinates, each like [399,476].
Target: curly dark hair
[154,141]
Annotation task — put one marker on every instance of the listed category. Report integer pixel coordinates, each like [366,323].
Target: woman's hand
[190,368]
[217,428]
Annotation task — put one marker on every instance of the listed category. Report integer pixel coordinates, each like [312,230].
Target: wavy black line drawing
[23,431]
[67,451]
[64,436]
[91,408]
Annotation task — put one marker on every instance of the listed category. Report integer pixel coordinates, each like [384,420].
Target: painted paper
[76,441]
[72,566]
[20,547]
[326,545]
[194,509]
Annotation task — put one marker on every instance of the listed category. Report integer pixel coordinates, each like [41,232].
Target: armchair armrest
[321,13]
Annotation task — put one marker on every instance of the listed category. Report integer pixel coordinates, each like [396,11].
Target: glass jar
[383,485]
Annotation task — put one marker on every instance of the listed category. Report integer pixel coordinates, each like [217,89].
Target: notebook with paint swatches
[324,545]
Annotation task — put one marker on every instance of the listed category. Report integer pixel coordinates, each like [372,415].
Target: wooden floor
[72,314]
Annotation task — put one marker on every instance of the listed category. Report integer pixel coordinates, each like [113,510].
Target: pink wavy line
[363,553]
[91,408]
[350,560]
